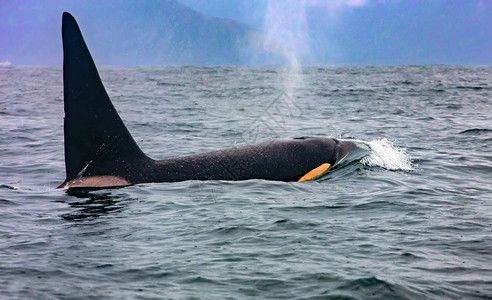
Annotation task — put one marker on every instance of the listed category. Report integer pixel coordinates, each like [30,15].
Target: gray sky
[306,32]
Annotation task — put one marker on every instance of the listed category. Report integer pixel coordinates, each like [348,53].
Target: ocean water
[410,220]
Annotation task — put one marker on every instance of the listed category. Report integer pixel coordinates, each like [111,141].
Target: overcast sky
[370,32]
[308,32]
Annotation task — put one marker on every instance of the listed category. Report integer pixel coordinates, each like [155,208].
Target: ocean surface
[410,220]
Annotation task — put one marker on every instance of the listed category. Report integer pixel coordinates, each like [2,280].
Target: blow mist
[287,35]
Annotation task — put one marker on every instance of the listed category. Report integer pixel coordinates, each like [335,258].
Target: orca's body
[100,152]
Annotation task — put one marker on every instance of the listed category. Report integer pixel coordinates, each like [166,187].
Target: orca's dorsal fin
[95,136]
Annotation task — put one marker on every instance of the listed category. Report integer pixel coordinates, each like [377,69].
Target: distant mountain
[150,32]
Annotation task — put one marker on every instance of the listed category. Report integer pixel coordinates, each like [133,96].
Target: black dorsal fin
[94,132]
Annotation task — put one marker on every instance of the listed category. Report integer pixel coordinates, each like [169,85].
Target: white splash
[5,63]
[386,155]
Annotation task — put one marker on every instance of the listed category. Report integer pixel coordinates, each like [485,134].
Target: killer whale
[100,151]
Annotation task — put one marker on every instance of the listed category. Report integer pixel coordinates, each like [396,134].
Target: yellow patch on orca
[316,173]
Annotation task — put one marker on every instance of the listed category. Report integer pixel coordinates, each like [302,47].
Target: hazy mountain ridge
[131,33]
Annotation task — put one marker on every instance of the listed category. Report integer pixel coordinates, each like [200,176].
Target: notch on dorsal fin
[95,136]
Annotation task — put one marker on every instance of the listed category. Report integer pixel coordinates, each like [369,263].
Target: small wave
[169,84]
[386,155]
[10,187]
[233,230]
[372,288]
[475,131]
[470,87]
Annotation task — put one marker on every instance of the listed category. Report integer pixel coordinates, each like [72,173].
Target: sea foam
[386,155]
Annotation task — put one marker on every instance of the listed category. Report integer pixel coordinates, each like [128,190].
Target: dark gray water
[412,220]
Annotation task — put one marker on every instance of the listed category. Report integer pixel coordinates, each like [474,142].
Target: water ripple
[413,223]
